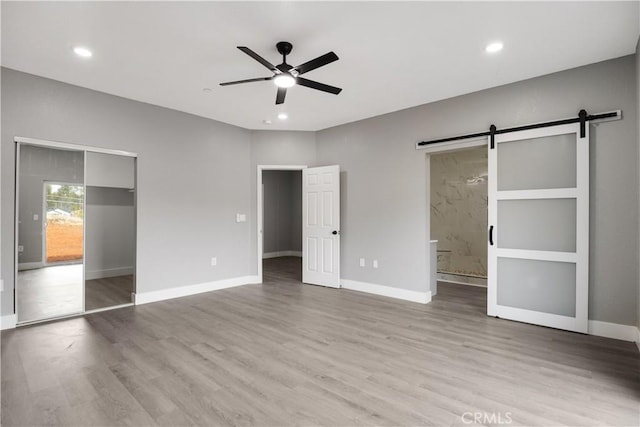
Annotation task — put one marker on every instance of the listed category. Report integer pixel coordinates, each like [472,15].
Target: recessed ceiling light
[206,89]
[284,80]
[266,121]
[82,51]
[494,47]
[283,116]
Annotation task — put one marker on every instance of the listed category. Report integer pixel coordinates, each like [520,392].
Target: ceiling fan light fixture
[284,80]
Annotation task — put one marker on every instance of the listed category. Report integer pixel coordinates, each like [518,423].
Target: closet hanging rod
[582,118]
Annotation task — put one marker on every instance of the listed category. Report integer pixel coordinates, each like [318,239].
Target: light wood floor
[283,354]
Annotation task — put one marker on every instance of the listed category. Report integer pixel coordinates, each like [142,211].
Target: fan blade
[282,92]
[259,58]
[259,79]
[320,61]
[319,86]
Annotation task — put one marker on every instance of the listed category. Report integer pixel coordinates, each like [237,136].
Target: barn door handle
[491,235]
[335,232]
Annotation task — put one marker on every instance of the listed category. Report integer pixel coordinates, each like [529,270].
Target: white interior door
[538,270]
[321,226]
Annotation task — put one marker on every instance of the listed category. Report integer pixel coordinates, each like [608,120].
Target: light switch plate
[241,217]
[375,263]
[362,262]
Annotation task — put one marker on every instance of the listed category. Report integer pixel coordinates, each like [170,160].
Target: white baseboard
[29,265]
[183,291]
[8,322]
[387,291]
[109,272]
[281,253]
[613,330]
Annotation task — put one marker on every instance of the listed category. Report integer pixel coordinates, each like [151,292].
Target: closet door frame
[20,141]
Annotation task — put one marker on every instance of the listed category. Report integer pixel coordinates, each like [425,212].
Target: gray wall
[282,220]
[110,231]
[37,165]
[384,196]
[202,166]
[192,177]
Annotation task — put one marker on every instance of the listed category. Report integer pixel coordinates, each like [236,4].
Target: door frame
[20,141]
[260,208]
[445,147]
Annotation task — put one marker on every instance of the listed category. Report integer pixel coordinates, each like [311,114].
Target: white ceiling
[393,55]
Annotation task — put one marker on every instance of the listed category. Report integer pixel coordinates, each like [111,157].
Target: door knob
[335,232]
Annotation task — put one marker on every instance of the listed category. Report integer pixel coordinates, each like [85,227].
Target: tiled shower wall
[459,211]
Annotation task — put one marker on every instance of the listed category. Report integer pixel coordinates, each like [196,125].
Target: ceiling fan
[286,76]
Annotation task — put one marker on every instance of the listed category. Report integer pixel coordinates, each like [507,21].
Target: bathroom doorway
[282,225]
[458,217]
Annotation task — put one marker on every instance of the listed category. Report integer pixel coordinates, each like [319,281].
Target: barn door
[539,227]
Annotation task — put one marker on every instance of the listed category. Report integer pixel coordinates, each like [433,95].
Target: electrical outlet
[362,262]
[214,261]
[20,248]
[35,217]
[375,263]
[1,285]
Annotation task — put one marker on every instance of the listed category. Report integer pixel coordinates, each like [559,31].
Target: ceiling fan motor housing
[284,48]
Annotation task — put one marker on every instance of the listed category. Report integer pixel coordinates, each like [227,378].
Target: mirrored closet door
[110,239]
[50,227]
[75,231]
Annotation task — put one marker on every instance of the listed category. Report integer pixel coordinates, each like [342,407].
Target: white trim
[553,256]
[552,193]
[68,146]
[638,338]
[613,330]
[533,317]
[281,253]
[260,208]
[107,272]
[8,322]
[183,291]
[84,232]
[387,291]
[16,225]
[30,265]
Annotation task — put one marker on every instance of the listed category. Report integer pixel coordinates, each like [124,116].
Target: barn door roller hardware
[582,118]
